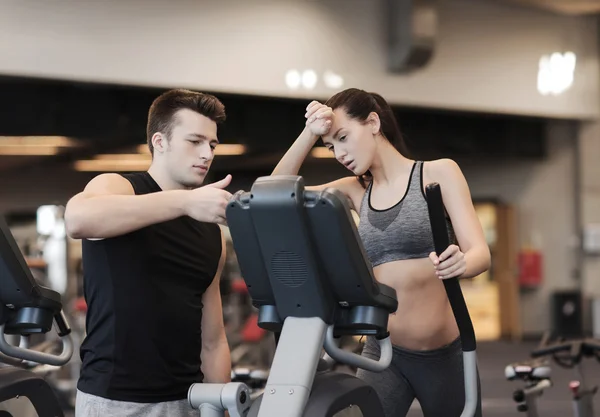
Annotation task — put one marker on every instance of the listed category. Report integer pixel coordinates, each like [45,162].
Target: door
[493,296]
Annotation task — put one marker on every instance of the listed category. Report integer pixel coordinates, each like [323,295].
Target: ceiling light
[139,161]
[25,150]
[124,156]
[60,141]
[112,165]
[556,73]
[333,80]
[321,152]
[221,149]
[230,149]
[33,145]
[309,79]
[115,162]
[293,79]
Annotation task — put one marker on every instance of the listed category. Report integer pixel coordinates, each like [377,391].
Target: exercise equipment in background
[27,309]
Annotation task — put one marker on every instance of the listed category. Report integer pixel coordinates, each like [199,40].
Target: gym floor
[497,391]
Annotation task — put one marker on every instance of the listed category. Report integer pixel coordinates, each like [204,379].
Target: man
[152,257]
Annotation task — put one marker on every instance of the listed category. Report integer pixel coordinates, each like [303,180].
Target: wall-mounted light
[556,73]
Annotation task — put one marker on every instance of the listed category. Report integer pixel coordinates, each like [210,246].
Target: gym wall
[589,189]
[544,197]
[486,56]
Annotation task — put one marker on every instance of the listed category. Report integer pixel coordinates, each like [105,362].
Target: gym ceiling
[72,123]
[75,122]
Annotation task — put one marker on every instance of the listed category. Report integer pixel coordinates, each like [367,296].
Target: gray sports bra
[402,231]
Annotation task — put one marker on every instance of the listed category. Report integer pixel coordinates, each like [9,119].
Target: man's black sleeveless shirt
[144,295]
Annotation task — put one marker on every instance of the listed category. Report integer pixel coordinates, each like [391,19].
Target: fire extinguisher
[530,267]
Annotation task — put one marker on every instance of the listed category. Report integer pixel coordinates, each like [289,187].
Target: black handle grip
[549,350]
[592,345]
[437,217]
[575,348]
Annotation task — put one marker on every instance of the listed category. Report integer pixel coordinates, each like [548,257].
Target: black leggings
[435,378]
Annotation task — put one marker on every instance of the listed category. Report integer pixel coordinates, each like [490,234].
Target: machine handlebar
[15,355]
[568,353]
[359,361]
[441,241]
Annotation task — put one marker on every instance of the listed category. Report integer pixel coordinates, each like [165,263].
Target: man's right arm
[108,207]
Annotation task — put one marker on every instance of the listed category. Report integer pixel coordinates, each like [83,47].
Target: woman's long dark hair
[358,104]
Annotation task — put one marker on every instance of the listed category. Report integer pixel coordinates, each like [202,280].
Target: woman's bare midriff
[424,318]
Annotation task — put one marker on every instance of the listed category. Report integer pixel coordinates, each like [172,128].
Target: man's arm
[216,356]
[108,207]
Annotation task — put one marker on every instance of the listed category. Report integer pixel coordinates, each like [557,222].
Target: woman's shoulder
[440,169]
[447,173]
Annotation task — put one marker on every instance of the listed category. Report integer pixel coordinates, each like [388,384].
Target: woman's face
[352,142]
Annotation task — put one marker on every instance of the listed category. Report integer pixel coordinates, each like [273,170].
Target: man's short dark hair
[161,116]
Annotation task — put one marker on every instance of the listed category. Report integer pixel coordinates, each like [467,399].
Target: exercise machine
[536,375]
[27,309]
[566,353]
[254,378]
[570,354]
[307,273]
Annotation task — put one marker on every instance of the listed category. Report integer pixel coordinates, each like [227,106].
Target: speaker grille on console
[289,268]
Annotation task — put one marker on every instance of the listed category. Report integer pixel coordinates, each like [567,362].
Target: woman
[387,189]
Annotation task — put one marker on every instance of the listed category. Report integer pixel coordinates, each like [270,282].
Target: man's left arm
[216,356]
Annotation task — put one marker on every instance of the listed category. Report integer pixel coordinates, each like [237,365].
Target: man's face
[190,150]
